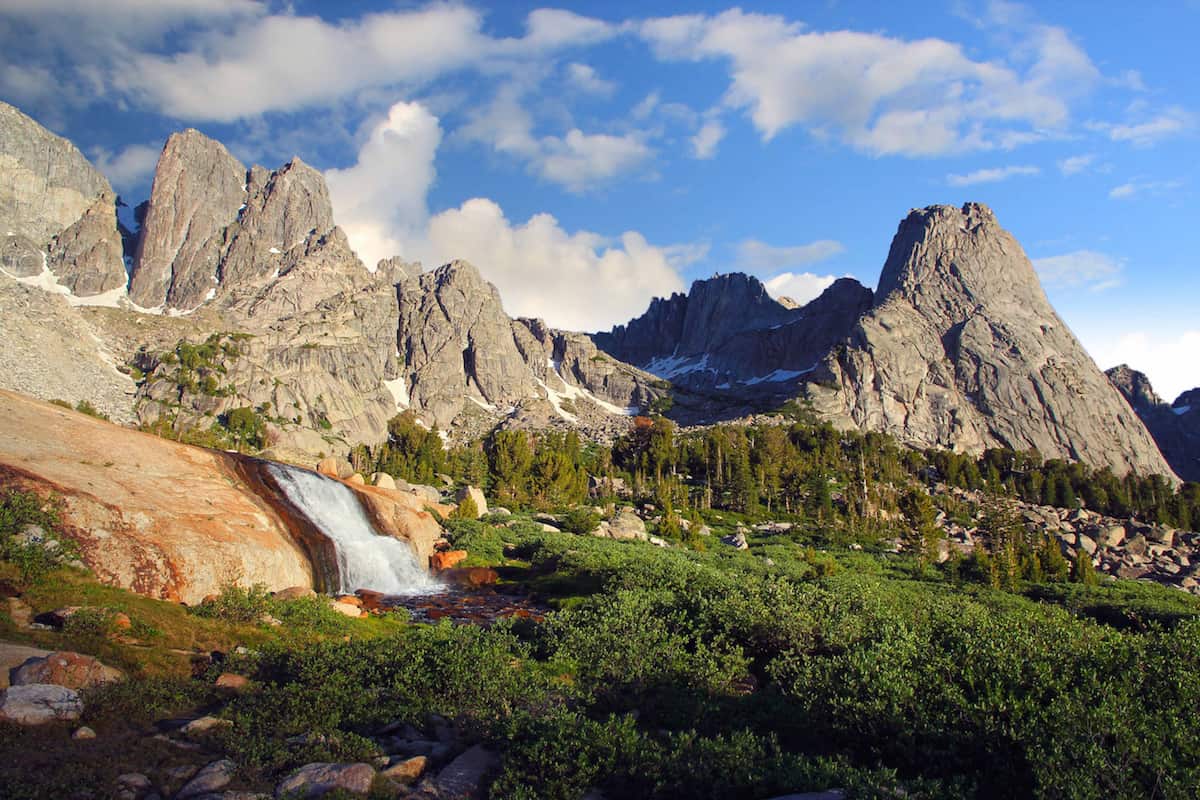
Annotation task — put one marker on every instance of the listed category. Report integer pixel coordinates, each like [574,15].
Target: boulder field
[173,521]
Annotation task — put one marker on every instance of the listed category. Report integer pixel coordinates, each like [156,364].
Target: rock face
[728,333]
[179,522]
[1175,427]
[463,353]
[53,351]
[962,350]
[160,518]
[260,248]
[56,210]
[213,227]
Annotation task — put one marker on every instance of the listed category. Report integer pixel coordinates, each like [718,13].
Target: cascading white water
[366,560]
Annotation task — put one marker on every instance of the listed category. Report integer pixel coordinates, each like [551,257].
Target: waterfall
[366,560]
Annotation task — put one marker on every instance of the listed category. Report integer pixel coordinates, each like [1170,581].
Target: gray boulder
[39,703]
[319,779]
[212,778]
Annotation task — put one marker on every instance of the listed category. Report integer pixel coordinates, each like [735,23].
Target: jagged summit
[462,352]
[727,334]
[963,350]
[57,212]
[215,227]
[1175,427]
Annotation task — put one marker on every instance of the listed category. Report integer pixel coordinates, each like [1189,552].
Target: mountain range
[239,290]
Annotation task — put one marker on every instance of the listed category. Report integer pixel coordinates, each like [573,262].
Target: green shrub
[29,536]
[236,603]
[581,520]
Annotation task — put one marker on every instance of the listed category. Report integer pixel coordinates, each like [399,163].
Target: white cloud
[285,62]
[990,175]
[800,287]
[1076,164]
[577,160]
[578,281]
[646,106]
[130,168]
[760,258]
[1167,357]
[380,200]
[1146,133]
[704,143]
[580,159]
[880,94]
[585,78]
[1079,269]
[1135,187]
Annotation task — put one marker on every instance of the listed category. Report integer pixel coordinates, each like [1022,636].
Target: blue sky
[588,155]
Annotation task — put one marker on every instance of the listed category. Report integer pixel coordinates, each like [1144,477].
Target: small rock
[476,495]
[213,778]
[347,609]
[1088,544]
[371,600]
[446,560]
[233,681]
[737,541]
[83,732]
[357,479]
[294,593]
[470,576]
[38,703]
[1111,536]
[316,780]
[383,481]
[203,726]
[406,771]
[463,777]
[350,599]
[134,781]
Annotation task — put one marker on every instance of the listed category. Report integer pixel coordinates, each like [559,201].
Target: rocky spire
[963,350]
[1175,427]
[198,190]
[56,210]
[213,228]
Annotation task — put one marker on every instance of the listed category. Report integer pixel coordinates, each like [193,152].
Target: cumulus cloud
[238,60]
[990,175]
[574,279]
[576,160]
[580,280]
[800,287]
[70,52]
[1079,269]
[877,93]
[1167,357]
[130,168]
[704,143]
[585,78]
[759,257]
[380,201]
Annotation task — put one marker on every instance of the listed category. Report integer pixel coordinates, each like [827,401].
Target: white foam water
[366,559]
